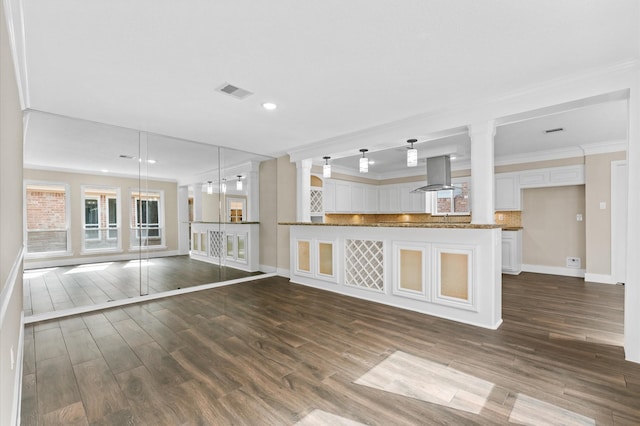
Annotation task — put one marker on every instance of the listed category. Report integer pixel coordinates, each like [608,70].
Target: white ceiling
[333,67]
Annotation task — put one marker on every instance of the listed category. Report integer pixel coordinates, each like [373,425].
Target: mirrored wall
[113,213]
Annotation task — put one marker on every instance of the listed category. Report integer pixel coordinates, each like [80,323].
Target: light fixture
[239,183]
[412,154]
[209,187]
[223,186]
[326,168]
[269,106]
[364,162]
[151,161]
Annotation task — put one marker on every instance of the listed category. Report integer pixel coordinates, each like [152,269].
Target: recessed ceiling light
[269,106]
[372,162]
[151,161]
[104,171]
[453,157]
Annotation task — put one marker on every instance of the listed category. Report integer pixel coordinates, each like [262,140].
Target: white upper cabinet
[343,197]
[371,196]
[329,196]
[507,192]
[357,198]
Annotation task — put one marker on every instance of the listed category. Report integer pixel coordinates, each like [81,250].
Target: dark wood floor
[270,352]
[54,289]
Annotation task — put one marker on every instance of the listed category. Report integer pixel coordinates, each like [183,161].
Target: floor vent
[234,91]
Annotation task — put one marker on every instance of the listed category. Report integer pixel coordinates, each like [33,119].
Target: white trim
[599,278]
[605,147]
[10,284]
[138,299]
[282,272]
[267,269]
[17,46]
[618,205]
[16,406]
[96,259]
[553,270]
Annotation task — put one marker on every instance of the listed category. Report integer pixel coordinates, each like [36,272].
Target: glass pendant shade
[412,154]
[223,186]
[209,187]
[326,168]
[412,157]
[239,184]
[364,162]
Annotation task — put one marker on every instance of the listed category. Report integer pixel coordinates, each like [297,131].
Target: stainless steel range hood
[438,174]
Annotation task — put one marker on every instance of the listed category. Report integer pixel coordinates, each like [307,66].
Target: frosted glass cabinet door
[241,241]
[230,246]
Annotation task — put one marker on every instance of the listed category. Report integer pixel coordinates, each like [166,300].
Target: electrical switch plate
[500,216]
[579,217]
[603,205]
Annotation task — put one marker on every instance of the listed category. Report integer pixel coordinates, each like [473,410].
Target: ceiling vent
[128,157]
[557,129]
[234,91]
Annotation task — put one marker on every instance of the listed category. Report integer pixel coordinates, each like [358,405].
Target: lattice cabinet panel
[364,264]
[216,244]
[316,201]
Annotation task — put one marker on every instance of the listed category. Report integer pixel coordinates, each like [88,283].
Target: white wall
[11,330]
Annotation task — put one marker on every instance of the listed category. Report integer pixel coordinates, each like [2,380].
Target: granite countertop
[449,225]
[228,223]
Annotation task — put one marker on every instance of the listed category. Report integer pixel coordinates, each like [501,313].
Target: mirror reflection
[113,213]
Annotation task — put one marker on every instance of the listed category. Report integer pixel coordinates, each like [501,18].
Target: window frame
[136,194]
[56,253]
[102,214]
[454,182]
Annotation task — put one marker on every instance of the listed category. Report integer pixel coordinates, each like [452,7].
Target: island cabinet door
[453,276]
[411,270]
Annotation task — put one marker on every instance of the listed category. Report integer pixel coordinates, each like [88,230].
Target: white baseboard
[553,270]
[599,278]
[37,264]
[16,406]
[267,269]
[284,272]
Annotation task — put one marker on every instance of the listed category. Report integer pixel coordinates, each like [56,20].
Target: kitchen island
[449,270]
[233,244]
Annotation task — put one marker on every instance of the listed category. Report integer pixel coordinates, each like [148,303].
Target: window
[147,219]
[47,218]
[453,201]
[91,218]
[236,208]
[101,225]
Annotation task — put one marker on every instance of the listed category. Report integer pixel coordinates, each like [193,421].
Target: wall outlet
[573,262]
[579,217]
[500,216]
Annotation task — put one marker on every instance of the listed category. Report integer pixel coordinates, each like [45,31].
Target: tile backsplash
[509,218]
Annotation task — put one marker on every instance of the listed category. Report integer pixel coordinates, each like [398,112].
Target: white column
[183,220]
[482,186]
[197,202]
[632,282]
[303,196]
[253,196]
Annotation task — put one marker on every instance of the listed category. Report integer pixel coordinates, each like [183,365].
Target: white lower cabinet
[512,252]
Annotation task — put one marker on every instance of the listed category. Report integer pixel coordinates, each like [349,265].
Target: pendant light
[326,168]
[209,187]
[223,186]
[364,162]
[239,183]
[412,154]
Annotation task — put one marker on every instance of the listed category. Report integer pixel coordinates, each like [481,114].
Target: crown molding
[604,147]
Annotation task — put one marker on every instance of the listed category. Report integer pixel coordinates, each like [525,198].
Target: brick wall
[46,209]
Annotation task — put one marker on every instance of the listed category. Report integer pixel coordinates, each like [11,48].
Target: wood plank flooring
[58,288]
[268,352]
